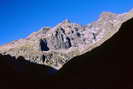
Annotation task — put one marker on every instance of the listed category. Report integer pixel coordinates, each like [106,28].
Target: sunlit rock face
[57,45]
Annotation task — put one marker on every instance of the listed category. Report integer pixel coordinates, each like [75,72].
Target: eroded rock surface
[57,45]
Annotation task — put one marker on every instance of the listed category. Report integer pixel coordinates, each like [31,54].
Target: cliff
[56,46]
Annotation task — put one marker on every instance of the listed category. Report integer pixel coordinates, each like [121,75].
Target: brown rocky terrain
[56,46]
[109,66]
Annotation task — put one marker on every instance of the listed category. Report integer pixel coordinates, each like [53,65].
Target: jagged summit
[55,46]
[66,21]
[108,15]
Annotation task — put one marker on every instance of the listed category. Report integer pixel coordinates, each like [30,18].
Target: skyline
[19,18]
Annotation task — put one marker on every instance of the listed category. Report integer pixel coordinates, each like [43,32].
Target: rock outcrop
[57,45]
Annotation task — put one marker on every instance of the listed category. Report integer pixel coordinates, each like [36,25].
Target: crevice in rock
[43,58]
[68,43]
[94,36]
[43,45]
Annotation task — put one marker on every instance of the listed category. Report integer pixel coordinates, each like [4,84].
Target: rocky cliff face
[56,46]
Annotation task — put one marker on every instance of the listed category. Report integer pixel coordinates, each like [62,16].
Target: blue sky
[19,18]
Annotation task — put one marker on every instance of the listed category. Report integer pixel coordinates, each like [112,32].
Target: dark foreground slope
[106,67]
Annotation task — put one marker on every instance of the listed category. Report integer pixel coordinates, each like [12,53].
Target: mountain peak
[56,46]
[66,21]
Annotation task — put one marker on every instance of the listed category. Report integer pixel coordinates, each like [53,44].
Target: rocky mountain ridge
[56,46]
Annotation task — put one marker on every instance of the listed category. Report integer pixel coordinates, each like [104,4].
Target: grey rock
[57,45]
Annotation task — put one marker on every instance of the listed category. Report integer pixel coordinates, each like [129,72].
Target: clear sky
[19,18]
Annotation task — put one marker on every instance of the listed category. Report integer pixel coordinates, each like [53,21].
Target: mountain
[56,46]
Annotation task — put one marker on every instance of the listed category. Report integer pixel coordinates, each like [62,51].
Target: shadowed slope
[106,67]
[22,74]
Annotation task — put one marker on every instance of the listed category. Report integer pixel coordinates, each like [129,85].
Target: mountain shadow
[106,67]
[21,74]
